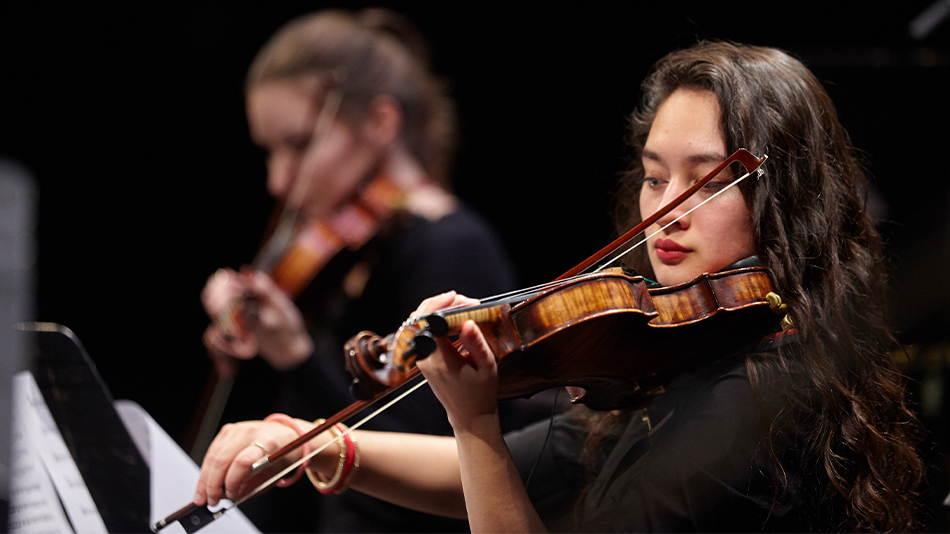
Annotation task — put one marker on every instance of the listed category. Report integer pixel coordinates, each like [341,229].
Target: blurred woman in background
[388,145]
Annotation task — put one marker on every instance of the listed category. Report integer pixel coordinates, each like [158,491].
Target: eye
[650,183]
[298,143]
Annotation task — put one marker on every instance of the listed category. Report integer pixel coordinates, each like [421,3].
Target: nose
[280,175]
[678,214]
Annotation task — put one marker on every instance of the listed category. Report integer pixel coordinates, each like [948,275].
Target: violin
[606,317]
[607,332]
[293,257]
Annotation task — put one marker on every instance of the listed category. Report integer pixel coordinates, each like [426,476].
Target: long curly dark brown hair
[825,258]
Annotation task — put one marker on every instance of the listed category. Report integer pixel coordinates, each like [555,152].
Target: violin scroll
[377,363]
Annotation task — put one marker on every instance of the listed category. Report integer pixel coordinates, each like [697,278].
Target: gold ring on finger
[261,447]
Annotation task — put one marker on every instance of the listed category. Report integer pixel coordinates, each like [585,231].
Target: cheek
[333,172]
[322,163]
[334,152]
[646,206]
[736,225]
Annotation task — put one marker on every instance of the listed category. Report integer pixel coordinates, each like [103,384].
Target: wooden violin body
[608,333]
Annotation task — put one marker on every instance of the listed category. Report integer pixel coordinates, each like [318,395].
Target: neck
[402,168]
[424,197]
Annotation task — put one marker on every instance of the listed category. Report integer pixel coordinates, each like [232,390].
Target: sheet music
[34,506]
[45,481]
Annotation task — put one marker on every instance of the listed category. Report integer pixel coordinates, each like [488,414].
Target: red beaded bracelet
[292,423]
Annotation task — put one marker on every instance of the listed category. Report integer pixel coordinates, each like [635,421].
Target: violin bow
[193,517]
[218,388]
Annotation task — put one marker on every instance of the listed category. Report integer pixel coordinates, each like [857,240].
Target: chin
[670,275]
[667,278]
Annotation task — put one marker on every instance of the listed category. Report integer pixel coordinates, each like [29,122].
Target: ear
[383,126]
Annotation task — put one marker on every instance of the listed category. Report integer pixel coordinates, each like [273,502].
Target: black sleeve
[546,455]
[320,384]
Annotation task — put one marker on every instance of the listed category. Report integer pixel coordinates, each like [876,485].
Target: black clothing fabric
[695,460]
[419,258]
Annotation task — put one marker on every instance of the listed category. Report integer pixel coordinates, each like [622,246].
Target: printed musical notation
[47,492]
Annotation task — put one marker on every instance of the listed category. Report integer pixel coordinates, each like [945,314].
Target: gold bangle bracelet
[314,477]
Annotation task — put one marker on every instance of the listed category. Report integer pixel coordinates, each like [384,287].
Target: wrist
[478,426]
[334,477]
[305,449]
[325,461]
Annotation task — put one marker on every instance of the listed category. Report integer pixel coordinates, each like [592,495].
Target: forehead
[280,107]
[687,124]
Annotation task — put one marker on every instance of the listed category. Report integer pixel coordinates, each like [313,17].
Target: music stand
[110,464]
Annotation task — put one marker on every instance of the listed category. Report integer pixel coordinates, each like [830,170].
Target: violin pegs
[423,344]
[436,325]
[775,303]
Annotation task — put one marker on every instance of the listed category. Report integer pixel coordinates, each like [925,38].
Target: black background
[131,119]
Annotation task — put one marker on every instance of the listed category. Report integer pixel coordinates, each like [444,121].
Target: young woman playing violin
[387,138]
[805,430]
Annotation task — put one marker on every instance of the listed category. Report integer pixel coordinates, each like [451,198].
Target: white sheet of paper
[37,431]
[34,506]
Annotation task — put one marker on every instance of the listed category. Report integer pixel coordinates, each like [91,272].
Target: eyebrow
[708,157]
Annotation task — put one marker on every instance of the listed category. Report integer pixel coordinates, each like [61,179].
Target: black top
[417,259]
[696,459]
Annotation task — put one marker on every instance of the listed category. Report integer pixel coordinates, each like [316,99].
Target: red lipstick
[668,250]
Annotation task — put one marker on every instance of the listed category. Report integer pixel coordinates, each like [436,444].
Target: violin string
[289,469]
[674,221]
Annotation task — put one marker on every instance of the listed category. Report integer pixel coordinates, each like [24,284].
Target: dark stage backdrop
[132,120]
